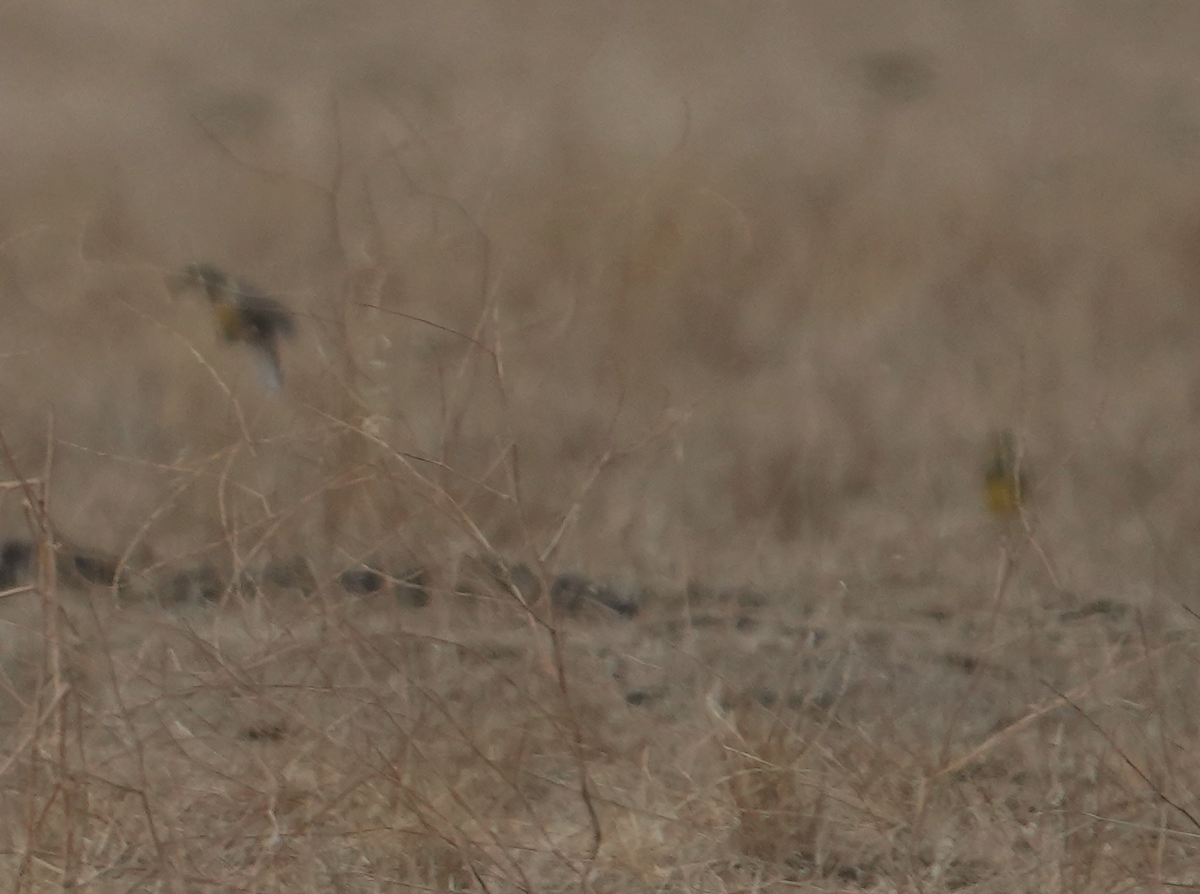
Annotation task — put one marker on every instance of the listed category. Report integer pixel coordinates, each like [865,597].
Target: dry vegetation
[619,528]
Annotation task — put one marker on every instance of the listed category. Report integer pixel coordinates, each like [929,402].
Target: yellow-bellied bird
[244,314]
[1006,486]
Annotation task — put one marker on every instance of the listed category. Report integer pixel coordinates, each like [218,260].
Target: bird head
[199,276]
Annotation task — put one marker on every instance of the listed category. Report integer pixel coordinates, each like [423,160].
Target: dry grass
[656,349]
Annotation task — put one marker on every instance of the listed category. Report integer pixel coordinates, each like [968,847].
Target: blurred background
[674,291]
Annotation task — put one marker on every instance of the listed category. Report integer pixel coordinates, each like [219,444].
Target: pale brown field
[705,311]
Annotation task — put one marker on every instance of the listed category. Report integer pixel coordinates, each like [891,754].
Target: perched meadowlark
[1006,486]
[244,314]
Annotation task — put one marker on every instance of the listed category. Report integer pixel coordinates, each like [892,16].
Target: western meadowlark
[16,561]
[1006,486]
[244,314]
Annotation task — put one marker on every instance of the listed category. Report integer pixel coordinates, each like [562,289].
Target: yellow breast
[229,321]
[1003,494]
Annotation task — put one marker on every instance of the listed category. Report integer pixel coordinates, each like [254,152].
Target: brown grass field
[621,525]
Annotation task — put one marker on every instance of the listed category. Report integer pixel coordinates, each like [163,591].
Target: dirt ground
[621,523]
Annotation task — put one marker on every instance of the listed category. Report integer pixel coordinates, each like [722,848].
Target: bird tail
[270,372]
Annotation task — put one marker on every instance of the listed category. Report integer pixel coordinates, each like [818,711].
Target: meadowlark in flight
[244,314]
[1006,486]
